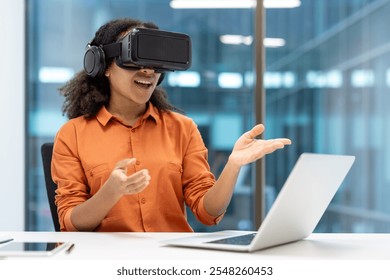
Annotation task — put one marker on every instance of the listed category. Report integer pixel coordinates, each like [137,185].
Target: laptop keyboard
[236,240]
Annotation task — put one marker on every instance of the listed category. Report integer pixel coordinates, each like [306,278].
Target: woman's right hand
[88,215]
[120,184]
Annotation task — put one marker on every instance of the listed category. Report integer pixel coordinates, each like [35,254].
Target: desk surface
[144,246]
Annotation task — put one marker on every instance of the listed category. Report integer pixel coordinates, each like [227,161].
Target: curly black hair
[85,95]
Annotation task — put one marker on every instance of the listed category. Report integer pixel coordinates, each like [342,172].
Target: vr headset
[142,48]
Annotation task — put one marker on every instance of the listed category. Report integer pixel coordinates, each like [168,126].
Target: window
[327,88]
[217,91]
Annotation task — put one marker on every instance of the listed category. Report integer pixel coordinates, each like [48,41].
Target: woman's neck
[128,113]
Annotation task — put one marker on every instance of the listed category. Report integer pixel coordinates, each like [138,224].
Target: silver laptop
[295,213]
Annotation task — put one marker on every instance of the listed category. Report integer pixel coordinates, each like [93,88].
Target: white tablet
[34,249]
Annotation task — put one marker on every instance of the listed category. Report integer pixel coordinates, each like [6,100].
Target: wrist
[110,193]
[232,163]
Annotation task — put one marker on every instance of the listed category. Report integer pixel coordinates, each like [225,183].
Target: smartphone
[33,249]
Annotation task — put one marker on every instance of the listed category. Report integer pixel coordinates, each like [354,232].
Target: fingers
[142,175]
[269,146]
[124,163]
[255,131]
[259,129]
[137,182]
[136,188]
[284,141]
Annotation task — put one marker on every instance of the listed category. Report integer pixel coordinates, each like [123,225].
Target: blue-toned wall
[12,81]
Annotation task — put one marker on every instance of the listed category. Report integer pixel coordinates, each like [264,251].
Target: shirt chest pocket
[174,173]
[97,176]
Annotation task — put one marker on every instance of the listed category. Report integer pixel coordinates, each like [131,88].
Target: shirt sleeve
[68,174]
[197,177]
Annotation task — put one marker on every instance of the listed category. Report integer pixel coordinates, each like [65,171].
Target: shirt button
[143,200]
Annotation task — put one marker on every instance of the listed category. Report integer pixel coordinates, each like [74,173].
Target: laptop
[298,208]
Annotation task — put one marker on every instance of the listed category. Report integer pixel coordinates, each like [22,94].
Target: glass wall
[326,82]
[327,88]
[217,91]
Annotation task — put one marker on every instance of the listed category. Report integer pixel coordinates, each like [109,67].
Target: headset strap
[112,50]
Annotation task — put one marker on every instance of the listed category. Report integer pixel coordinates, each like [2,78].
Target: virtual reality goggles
[142,48]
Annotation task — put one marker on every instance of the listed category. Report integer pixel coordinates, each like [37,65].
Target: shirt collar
[104,116]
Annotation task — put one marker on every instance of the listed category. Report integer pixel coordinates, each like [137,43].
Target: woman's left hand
[247,149]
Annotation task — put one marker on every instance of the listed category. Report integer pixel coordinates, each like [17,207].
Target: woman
[126,161]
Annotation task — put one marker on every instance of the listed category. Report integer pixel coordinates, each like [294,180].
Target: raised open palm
[248,149]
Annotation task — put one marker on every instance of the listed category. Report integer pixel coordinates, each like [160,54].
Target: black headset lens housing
[142,48]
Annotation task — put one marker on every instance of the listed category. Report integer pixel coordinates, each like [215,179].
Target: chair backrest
[47,152]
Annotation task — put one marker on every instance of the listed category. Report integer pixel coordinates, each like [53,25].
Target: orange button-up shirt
[167,144]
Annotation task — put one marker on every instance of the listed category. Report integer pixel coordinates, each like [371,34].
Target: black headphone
[95,62]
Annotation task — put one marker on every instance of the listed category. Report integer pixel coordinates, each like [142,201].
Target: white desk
[102,256]
[144,246]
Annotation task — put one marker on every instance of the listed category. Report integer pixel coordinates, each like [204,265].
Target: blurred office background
[326,84]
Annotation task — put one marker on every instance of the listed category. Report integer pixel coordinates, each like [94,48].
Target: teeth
[143,82]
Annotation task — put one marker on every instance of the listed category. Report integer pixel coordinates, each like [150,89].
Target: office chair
[47,152]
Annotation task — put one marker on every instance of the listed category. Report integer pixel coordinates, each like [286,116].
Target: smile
[144,84]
